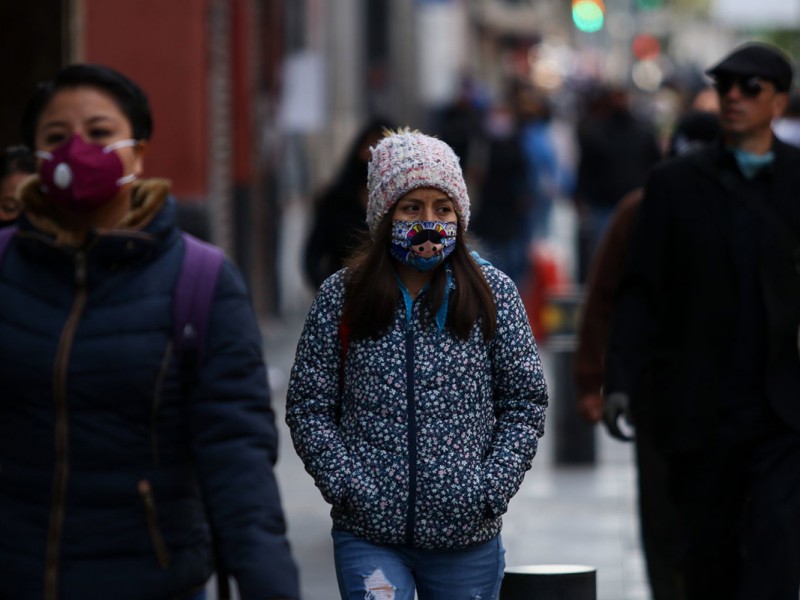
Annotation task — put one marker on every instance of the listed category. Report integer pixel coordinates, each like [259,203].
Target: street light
[588,15]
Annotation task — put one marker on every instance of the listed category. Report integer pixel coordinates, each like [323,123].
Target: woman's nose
[428,214]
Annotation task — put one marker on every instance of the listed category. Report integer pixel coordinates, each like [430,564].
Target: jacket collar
[147,198]
[151,219]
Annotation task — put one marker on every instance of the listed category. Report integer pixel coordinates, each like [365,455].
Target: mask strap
[44,155]
[120,144]
[127,179]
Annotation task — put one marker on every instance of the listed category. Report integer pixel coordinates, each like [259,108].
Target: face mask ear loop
[43,155]
[120,144]
[127,179]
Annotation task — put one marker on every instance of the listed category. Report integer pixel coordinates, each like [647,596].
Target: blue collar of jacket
[449,286]
[441,312]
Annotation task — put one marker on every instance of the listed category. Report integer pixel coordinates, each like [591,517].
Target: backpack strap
[191,305]
[194,294]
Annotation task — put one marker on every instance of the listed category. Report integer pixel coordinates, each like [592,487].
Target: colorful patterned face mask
[423,245]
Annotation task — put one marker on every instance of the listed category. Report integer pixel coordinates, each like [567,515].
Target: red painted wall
[163,46]
[242,40]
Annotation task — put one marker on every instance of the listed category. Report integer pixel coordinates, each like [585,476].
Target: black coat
[683,315]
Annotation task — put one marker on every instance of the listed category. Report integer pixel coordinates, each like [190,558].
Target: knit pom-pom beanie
[405,160]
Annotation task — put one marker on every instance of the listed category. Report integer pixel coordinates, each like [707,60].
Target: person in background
[502,219]
[339,222]
[659,526]
[459,123]
[119,458]
[417,399]
[705,99]
[708,311]
[16,164]
[548,178]
[616,148]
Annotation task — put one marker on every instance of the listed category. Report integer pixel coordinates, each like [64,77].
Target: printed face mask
[81,176]
[422,245]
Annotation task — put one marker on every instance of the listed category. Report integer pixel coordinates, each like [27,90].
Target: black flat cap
[761,60]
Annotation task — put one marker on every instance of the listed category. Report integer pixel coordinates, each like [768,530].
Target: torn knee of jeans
[378,586]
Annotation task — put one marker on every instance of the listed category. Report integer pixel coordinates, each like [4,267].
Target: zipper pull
[81,272]
[146,492]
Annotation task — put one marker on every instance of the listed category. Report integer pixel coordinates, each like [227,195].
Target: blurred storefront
[256,101]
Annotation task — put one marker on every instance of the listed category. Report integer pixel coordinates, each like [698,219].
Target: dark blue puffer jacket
[104,460]
[433,435]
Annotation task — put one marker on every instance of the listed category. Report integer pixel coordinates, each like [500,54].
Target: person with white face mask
[417,398]
[120,456]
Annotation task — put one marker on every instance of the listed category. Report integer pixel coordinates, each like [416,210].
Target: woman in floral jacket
[417,398]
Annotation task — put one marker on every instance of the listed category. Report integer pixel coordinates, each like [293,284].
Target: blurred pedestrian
[659,525]
[548,178]
[502,219]
[339,223]
[616,148]
[16,165]
[708,309]
[417,397]
[705,100]
[459,123]
[117,454]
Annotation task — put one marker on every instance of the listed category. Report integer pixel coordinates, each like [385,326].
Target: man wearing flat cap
[707,314]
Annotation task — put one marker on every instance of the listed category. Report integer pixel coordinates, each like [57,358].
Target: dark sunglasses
[750,87]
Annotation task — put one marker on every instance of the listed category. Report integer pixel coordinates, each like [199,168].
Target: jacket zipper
[162,554]
[157,405]
[412,436]
[61,437]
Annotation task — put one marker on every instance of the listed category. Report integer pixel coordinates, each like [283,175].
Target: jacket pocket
[160,547]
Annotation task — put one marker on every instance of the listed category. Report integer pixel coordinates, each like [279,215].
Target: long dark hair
[371,289]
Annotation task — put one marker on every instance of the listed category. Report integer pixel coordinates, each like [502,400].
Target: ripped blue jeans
[368,571]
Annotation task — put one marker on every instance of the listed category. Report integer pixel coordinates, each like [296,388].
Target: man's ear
[779,104]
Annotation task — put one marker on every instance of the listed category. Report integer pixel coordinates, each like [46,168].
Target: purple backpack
[194,293]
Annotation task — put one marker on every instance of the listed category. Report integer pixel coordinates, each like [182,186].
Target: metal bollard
[574,437]
[549,582]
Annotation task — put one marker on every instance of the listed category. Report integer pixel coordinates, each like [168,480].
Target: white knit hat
[405,160]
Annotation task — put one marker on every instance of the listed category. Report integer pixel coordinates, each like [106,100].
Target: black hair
[130,98]
[16,159]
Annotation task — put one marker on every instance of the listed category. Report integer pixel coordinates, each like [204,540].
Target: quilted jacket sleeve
[520,396]
[235,445]
[313,395]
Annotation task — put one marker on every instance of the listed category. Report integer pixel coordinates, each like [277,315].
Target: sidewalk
[573,515]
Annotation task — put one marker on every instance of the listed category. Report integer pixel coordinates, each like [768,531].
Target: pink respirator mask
[81,176]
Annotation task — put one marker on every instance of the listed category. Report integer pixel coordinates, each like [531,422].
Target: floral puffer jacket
[433,435]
